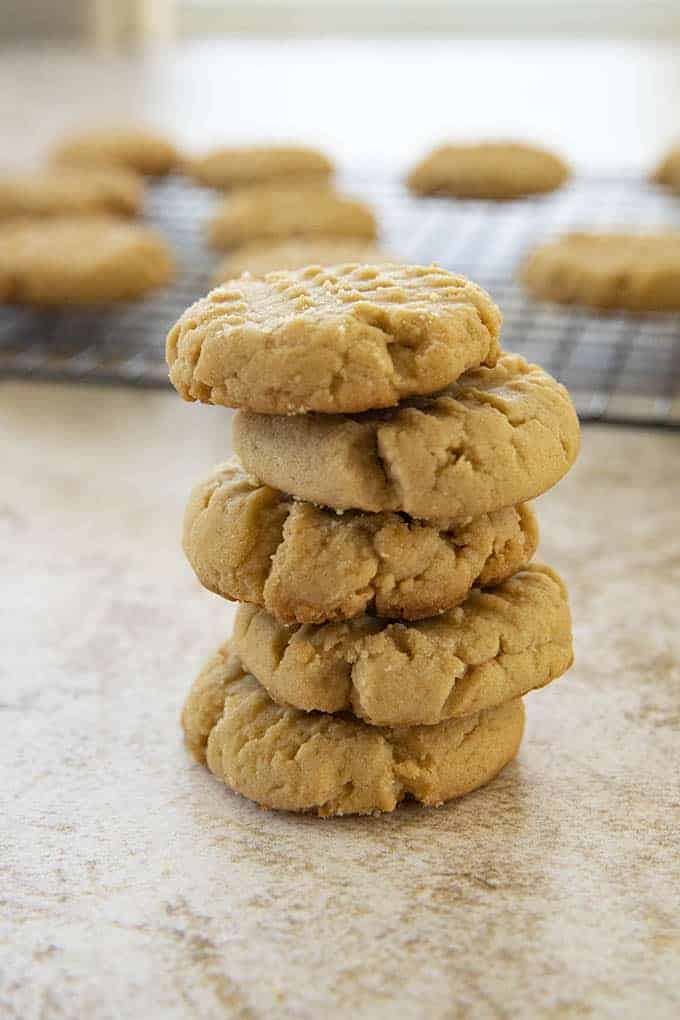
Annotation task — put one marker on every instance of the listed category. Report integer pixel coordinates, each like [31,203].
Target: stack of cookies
[377,533]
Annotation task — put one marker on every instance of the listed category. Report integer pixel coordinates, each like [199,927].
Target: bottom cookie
[290,760]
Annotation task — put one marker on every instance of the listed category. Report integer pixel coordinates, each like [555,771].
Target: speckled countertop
[134,885]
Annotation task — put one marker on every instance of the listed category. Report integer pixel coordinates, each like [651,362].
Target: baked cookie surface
[80,261]
[500,170]
[498,645]
[498,437]
[274,213]
[296,253]
[339,339]
[336,765]
[638,272]
[304,564]
[259,164]
[60,191]
[667,172]
[137,149]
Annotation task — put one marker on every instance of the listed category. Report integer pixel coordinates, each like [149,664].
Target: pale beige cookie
[137,149]
[667,172]
[259,164]
[60,191]
[344,338]
[637,272]
[80,261]
[501,170]
[296,253]
[497,437]
[336,765]
[308,565]
[498,645]
[275,212]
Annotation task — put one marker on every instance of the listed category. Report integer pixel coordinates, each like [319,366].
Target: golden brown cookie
[500,170]
[344,338]
[259,164]
[638,272]
[498,645]
[336,765]
[303,564]
[296,253]
[60,191]
[135,148]
[80,261]
[275,213]
[667,172]
[496,438]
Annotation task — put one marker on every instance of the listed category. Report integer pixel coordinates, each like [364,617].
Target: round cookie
[498,437]
[637,272]
[304,564]
[498,645]
[329,765]
[340,339]
[496,170]
[61,191]
[259,164]
[135,148]
[668,171]
[79,261]
[276,212]
[296,253]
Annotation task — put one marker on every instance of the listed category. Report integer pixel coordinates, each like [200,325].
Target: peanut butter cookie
[500,170]
[336,765]
[79,261]
[637,272]
[276,212]
[259,164]
[135,148]
[344,339]
[668,171]
[498,645]
[61,191]
[496,438]
[297,253]
[308,565]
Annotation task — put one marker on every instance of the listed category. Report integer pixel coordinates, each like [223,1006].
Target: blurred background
[370,80]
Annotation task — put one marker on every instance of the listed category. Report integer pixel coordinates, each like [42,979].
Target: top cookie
[668,171]
[274,213]
[64,190]
[344,339]
[259,164]
[135,148]
[500,170]
[638,272]
[497,437]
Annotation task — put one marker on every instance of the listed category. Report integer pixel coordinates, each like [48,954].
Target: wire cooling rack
[619,368]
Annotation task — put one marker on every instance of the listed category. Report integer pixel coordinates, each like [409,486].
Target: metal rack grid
[619,368]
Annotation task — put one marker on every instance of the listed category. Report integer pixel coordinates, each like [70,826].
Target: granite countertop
[133,884]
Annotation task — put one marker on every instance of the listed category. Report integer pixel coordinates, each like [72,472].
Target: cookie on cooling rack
[78,190]
[274,213]
[636,272]
[259,258]
[667,172]
[341,339]
[290,760]
[495,170]
[241,166]
[136,148]
[80,261]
